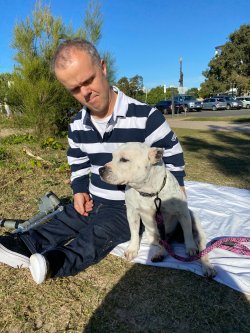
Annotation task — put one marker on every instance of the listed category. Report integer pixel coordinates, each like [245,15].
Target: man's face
[87,82]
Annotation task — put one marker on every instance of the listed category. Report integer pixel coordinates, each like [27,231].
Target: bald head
[63,55]
[79,68]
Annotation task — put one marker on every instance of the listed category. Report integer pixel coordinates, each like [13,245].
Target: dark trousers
[72,242]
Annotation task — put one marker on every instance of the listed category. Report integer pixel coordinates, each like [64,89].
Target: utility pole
[172,98]
[181,76]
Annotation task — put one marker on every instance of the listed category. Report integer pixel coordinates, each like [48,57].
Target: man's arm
[80,166]
[159,134]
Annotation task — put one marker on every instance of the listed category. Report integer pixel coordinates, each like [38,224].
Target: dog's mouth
[103,172]
[108,177]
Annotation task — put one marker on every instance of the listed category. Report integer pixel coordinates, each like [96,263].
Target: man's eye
[124,159]
[74,90]
[89,81]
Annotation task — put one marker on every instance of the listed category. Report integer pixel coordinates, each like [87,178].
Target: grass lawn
[231,119]
[216,157]
[115,296]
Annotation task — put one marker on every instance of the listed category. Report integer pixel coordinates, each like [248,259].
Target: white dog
[141,168]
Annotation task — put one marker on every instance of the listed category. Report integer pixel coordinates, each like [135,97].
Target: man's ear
[104,67]
[155,155]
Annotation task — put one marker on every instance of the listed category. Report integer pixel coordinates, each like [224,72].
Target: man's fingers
[79,203]
[83,204]
[79,208]
[89,205]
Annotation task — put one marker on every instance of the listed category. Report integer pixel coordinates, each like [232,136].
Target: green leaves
[230,68]
[93,22]
[132,87]
[18,139]
[157,94]
[35,92]
[193,92]
[51,142]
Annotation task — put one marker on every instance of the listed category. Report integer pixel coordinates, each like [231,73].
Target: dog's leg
[207,269]
[200,237]
[186,224]
[153,236]
[134,225]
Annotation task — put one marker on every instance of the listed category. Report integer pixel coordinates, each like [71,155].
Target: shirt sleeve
[78,161]
[159,134]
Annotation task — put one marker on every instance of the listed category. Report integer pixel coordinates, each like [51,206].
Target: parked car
[232,103]
[214,103]
[189,102]
[166,106]
[245,101]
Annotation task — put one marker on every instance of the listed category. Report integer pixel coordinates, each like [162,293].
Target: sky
[145,37]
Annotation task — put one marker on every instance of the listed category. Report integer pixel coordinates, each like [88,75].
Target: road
[223,113]
[180,121]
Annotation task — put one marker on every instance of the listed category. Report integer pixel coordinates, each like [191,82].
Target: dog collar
[144,194]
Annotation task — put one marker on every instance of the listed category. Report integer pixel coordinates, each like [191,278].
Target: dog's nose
[102,170]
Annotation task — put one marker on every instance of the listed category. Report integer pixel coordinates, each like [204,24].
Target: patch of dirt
[10,131]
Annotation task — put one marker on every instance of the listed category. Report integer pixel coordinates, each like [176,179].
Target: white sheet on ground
[223,211]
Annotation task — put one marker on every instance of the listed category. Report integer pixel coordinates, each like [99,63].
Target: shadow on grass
[242,120]
[179,302]
[243,127]
[230,155]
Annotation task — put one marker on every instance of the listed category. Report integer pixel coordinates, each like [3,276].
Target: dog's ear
[155,154]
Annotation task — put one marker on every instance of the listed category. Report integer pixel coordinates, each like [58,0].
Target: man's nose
[85,91]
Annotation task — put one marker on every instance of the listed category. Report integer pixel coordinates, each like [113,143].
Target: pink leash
[232,244]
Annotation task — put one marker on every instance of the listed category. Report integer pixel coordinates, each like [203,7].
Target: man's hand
[83,204]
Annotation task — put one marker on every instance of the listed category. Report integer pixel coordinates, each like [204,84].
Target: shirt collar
[120,108]
[121,104]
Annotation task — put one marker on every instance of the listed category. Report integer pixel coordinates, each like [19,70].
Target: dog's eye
[123,160]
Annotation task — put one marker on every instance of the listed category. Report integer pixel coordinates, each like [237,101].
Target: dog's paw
[192,250]
[208,270]
[157,258]
[131,253]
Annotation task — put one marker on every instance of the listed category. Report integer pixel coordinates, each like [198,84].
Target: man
[87,230]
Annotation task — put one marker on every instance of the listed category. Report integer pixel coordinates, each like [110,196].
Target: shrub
[51,142]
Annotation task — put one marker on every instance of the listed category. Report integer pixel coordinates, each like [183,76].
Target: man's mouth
[92,99]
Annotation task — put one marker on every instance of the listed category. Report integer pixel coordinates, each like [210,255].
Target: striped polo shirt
[131,121]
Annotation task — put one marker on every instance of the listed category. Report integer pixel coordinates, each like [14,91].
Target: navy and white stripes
[131,121]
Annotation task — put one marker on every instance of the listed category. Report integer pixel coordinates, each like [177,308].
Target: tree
[124,85]
[132,87]
[231,67]
[36,93]
[157,94]
[193,92]
[171,91]
[136,86]
[211,87]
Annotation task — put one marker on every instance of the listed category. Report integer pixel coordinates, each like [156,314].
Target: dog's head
[131,164]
